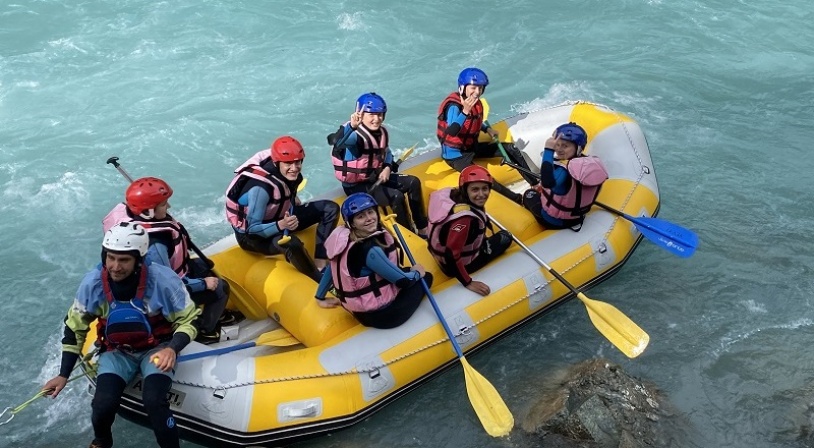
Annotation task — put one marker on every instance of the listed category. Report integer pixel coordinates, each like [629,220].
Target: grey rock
[596,404]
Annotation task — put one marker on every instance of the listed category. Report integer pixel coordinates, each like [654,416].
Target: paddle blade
[277,338]
[302,184]
[493,413]
[616,327]
[672,237]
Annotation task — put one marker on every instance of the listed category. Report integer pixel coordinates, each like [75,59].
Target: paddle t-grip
[115,162]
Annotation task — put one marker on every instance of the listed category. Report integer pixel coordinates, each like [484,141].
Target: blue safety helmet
[572,132]
[472,76]
[371,102]
[355,203]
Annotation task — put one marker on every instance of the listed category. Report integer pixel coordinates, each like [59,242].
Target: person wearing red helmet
[147,203]
[458,225]
[364,163]
[460,121]
[262,206]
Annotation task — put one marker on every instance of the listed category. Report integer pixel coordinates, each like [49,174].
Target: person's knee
[108,393]
[154,395]
[330,212]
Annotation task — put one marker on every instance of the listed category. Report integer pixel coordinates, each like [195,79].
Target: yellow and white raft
[340,372]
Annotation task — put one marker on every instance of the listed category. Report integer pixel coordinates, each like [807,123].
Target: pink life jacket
[278,191]
[359,294]
[587,175]
[178,251]
[370,160]
[442,211]
[258,159]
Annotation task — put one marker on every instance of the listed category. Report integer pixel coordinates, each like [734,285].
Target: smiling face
[291,170]
[366,221]
[119,266]
[478,193]
[372,121]
[473,90]
[565,150]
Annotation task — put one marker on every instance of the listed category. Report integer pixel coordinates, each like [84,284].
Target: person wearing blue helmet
[569,180]
[460,121]
[363,162]
[364,269]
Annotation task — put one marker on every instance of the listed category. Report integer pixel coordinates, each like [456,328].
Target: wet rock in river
[596,404]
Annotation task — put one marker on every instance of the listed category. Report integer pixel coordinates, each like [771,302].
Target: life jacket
[442,211]
[370,161]
[178,249]
[359,294]
[259,158]
[127,325]
[468,135]
[250,176]
[587,173]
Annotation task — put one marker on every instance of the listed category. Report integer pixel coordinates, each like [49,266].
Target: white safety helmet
[127,237]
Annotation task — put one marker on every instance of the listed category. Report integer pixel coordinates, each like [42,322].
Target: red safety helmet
[287,149]
[146,193]
[474,173]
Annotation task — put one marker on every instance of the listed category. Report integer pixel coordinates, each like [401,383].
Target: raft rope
[14,411]
[367,370]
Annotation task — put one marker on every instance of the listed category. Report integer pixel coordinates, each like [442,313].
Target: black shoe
[518,198]
[230,317]
[97,444]
[208,338]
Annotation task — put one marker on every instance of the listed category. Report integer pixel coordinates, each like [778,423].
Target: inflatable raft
[295,370]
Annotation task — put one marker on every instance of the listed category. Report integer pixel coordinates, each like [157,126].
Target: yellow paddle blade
[493,413]
[277,338]
[485,108]
[407,153]
[622,332]
[301,186]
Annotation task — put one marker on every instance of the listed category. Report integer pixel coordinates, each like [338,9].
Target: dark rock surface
[595,404]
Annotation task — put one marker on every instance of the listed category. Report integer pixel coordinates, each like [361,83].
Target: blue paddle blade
[672,237]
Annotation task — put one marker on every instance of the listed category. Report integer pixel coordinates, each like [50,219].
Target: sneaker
[97,444]
[208,338]
[230,317]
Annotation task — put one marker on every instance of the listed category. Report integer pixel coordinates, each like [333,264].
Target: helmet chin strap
[148,214]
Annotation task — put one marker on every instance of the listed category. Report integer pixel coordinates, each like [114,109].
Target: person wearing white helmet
[146,318]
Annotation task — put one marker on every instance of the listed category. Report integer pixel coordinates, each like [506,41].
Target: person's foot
[518,198]
[229,317]
[208,338]
[97,444]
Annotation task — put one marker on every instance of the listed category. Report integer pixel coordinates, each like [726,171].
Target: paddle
[619,329]
[274,338]
[398,163]
[667,235]
[486,122]
[285,239]
[493,413]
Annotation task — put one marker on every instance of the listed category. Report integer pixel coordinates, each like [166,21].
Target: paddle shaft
[115,162]
[538,259]
[435,307]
